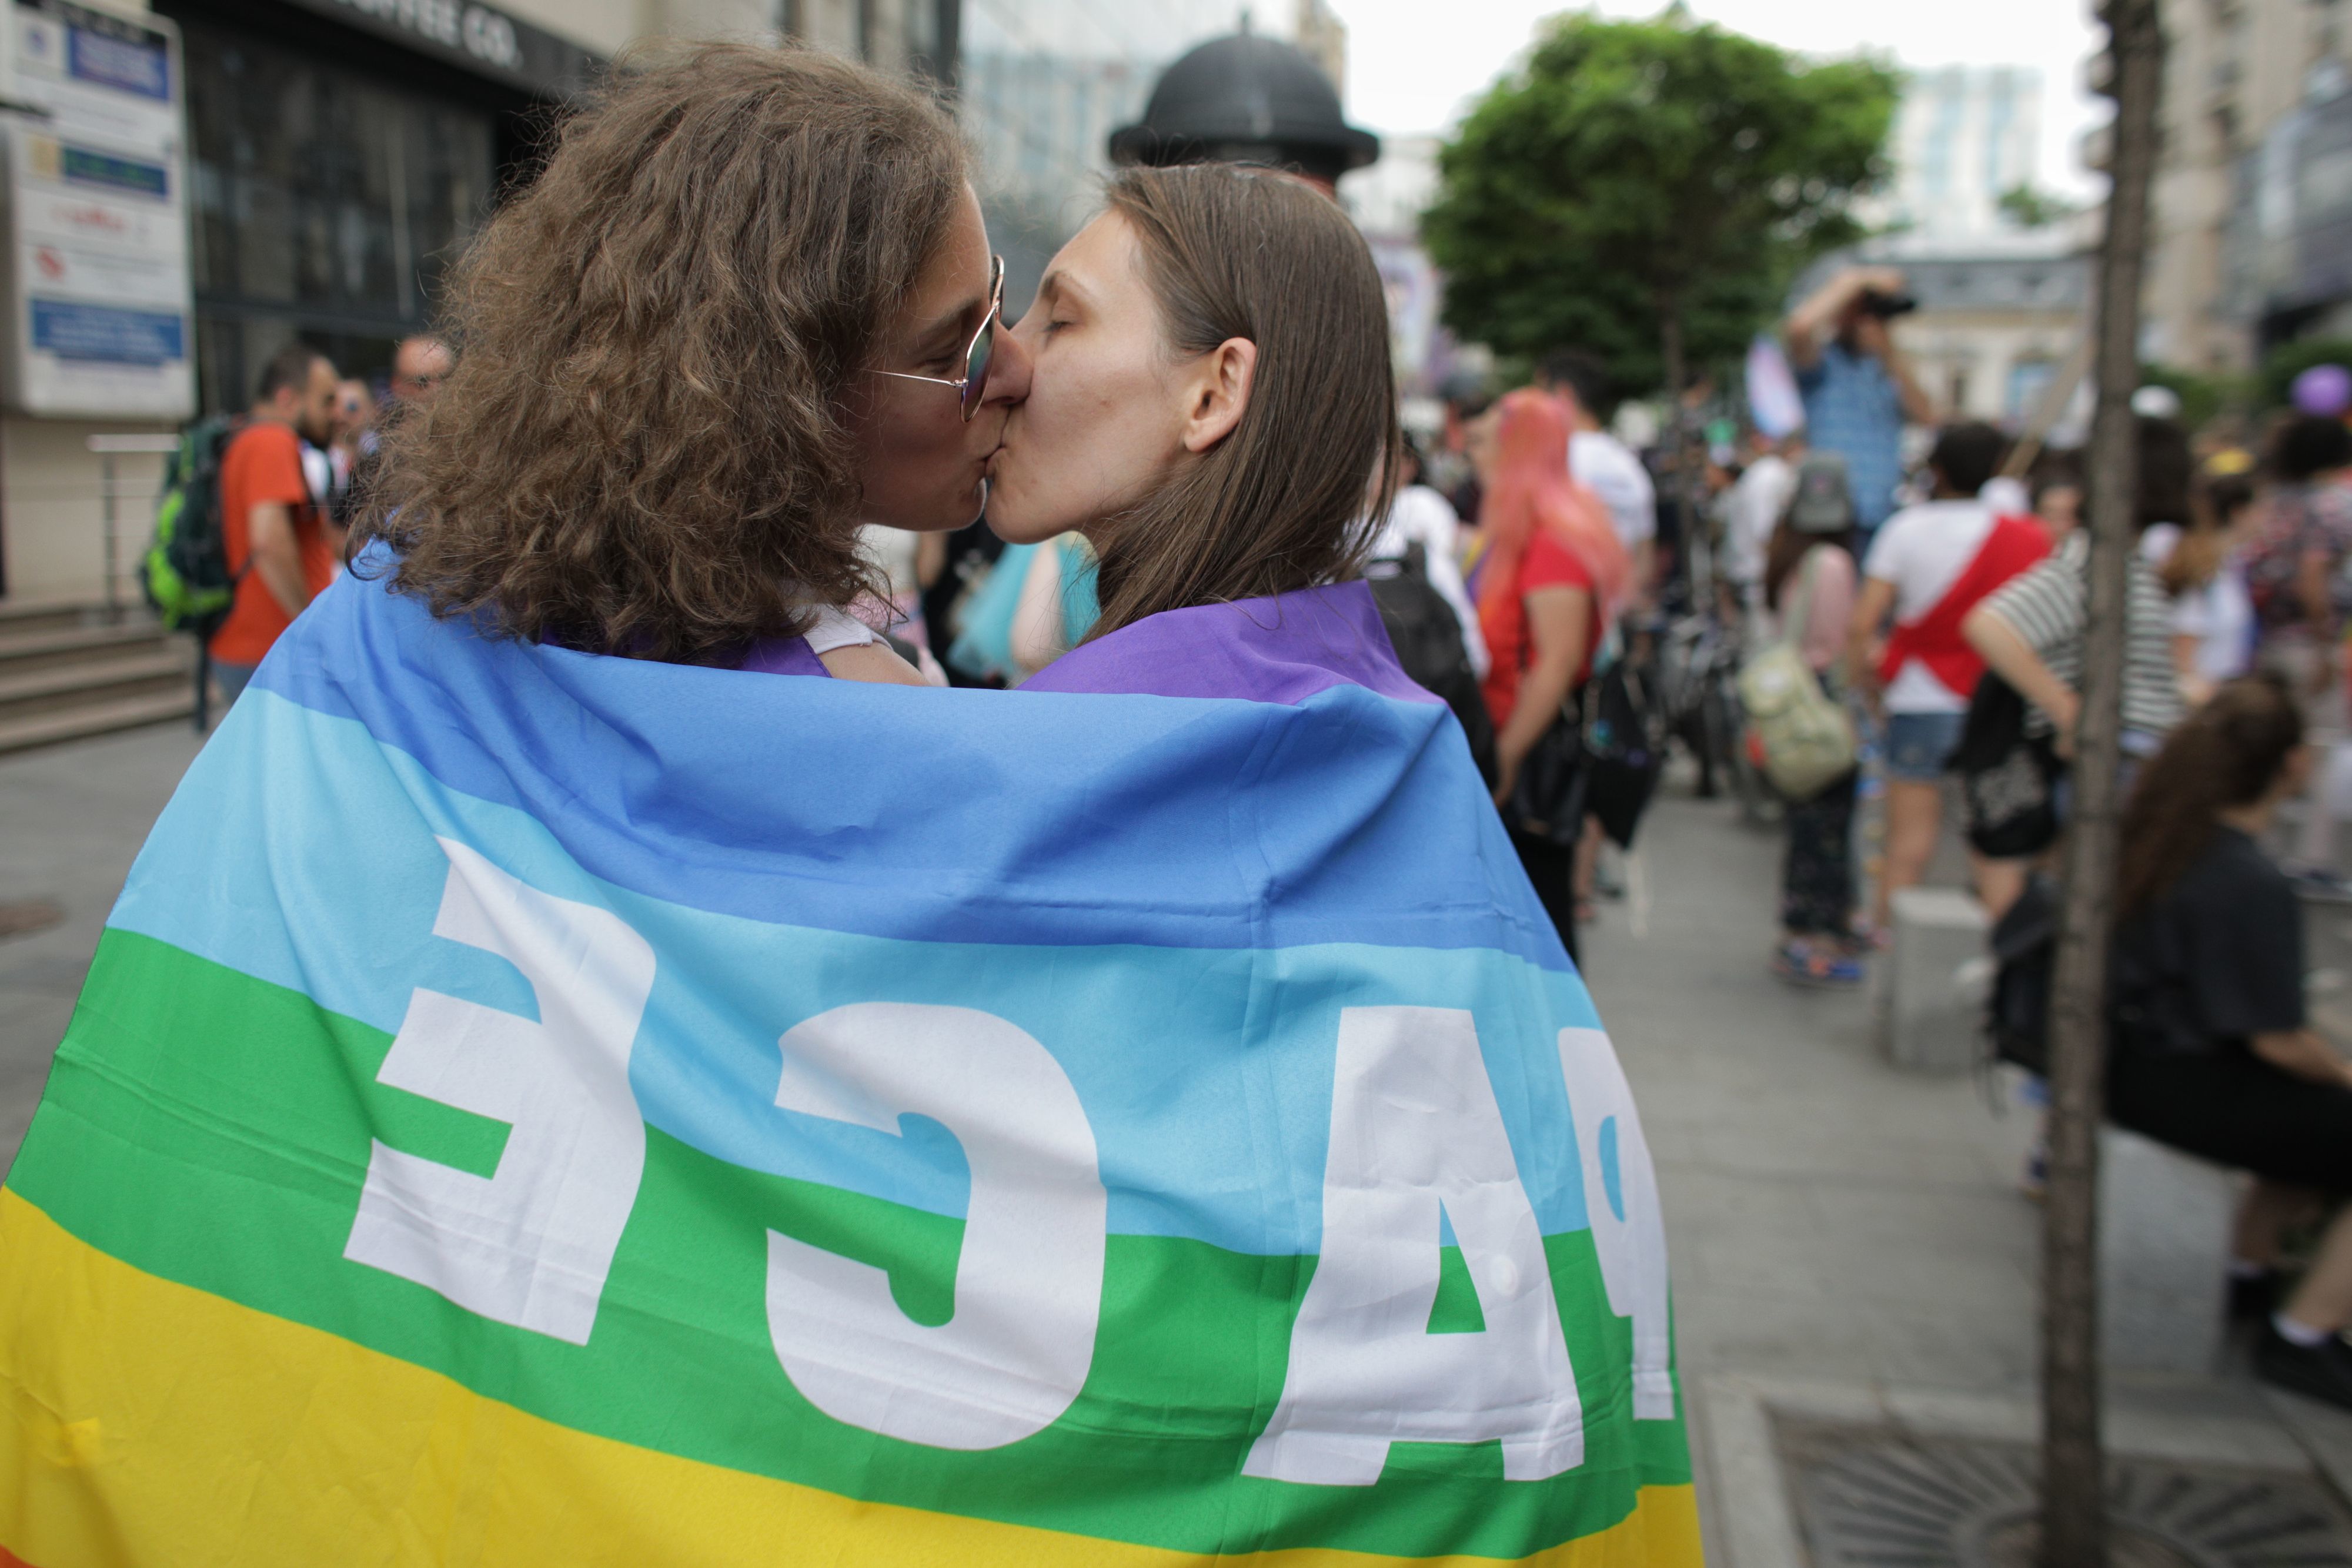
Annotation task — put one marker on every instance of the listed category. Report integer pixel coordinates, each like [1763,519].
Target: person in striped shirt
[2030,631]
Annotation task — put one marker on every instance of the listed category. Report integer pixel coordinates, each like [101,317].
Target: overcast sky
[1412,65]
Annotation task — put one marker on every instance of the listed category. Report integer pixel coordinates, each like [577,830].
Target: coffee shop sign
[480,31]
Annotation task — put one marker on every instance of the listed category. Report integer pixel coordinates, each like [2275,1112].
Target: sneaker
[1825,969]
[2323,1371]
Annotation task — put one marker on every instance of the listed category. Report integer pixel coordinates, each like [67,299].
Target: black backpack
[2025,956]
[1428,642]
[1624,746]
[2010,778]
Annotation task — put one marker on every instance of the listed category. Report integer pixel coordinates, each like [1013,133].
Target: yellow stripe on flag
[143,1422]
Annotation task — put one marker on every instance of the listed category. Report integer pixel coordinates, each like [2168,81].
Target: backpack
[1624,746]
[2009,777]
[1806,737]
[2025,958]
[187,574]
[1428,641]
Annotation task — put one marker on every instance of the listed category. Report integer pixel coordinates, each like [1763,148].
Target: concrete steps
[68,671]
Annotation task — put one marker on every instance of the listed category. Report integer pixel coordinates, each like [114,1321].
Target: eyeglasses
[976,354]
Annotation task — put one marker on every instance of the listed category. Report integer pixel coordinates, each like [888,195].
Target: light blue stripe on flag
[1181,1069]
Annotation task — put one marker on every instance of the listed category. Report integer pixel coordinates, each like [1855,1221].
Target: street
[1843,1237]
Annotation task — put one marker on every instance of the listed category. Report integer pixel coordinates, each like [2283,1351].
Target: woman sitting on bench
[2212,1049]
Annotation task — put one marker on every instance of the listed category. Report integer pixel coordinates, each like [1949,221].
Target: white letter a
[1414,1127]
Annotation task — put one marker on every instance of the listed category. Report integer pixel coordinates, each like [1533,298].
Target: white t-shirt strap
[837,628]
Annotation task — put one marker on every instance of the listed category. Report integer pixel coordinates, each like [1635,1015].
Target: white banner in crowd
[99,286]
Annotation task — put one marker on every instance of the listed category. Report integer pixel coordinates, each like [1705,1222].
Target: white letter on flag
[1633,1245]
[1028,1285]
[1415,1129]
[530,1244]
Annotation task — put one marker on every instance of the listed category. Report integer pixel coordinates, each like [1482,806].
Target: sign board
[101,323]
[474,37]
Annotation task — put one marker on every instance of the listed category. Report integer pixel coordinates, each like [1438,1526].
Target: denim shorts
[1917,744]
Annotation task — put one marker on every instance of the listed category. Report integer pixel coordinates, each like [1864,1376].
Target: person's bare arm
[275,555]
[2303,1054]
[1861,640]
[1814,319]
[1917,406]
[2311,591]
[2012,658]
[872,661]
[1642,581]
[1559,622]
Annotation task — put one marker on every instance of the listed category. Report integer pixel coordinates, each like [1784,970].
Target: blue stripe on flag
[1180,1064]
[957,815]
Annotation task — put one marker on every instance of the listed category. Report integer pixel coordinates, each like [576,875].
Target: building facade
[2253,203]
[338,154]
[1963,137]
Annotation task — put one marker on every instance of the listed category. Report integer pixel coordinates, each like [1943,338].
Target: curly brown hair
[643,449]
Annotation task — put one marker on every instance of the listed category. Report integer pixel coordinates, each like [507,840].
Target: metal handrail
[108,448]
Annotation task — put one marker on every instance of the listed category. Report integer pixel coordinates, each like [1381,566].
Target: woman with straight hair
[2213,1051]
[1209,394]
[747,309]
[1809,576]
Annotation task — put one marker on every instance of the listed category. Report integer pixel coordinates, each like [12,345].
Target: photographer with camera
[1858,391]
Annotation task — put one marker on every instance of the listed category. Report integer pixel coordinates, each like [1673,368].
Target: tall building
[2253,212]
[1963,136]
[1042,86]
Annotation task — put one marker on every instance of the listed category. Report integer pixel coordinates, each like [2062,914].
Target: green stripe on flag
[214,1130]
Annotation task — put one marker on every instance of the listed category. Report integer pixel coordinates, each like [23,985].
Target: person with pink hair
[1552,571]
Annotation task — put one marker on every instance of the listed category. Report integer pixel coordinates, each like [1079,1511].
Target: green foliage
[2031,209]
[1641,178]
[2201,395]
[2288,360]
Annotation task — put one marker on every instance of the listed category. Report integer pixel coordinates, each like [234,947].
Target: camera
[1886,306]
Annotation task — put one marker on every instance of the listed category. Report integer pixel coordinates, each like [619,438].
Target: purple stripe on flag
[1284,649]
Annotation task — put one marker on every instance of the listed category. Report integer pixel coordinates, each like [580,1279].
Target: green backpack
[187,576]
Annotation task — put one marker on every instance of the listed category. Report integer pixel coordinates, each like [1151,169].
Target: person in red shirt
[1551,568]
[271,525]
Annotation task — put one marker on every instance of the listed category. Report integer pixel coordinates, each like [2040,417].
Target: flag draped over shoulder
[529,1107]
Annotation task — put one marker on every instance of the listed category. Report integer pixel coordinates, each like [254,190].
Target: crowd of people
[292,480]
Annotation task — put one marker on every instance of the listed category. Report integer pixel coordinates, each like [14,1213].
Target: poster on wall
[99,286]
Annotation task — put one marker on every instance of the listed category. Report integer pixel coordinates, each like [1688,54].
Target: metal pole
[113,554]
[2073,1491]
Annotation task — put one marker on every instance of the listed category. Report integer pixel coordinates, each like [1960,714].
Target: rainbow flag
[529,1107]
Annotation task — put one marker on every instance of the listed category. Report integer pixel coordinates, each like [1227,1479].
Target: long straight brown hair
[2228,753]
[1279,504]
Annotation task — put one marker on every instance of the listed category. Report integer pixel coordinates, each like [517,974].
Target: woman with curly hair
[748,306]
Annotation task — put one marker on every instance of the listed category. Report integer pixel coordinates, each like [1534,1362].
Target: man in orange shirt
[270,522]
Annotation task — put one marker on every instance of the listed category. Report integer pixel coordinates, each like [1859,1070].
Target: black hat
[1246,99]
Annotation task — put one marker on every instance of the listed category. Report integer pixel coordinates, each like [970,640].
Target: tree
[2032,208]
[1647,190]
[2074,1488]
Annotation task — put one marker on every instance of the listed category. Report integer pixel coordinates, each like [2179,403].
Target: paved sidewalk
[1846,1240]
[71,818]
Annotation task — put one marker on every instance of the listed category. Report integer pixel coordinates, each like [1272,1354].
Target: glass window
[328,205]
